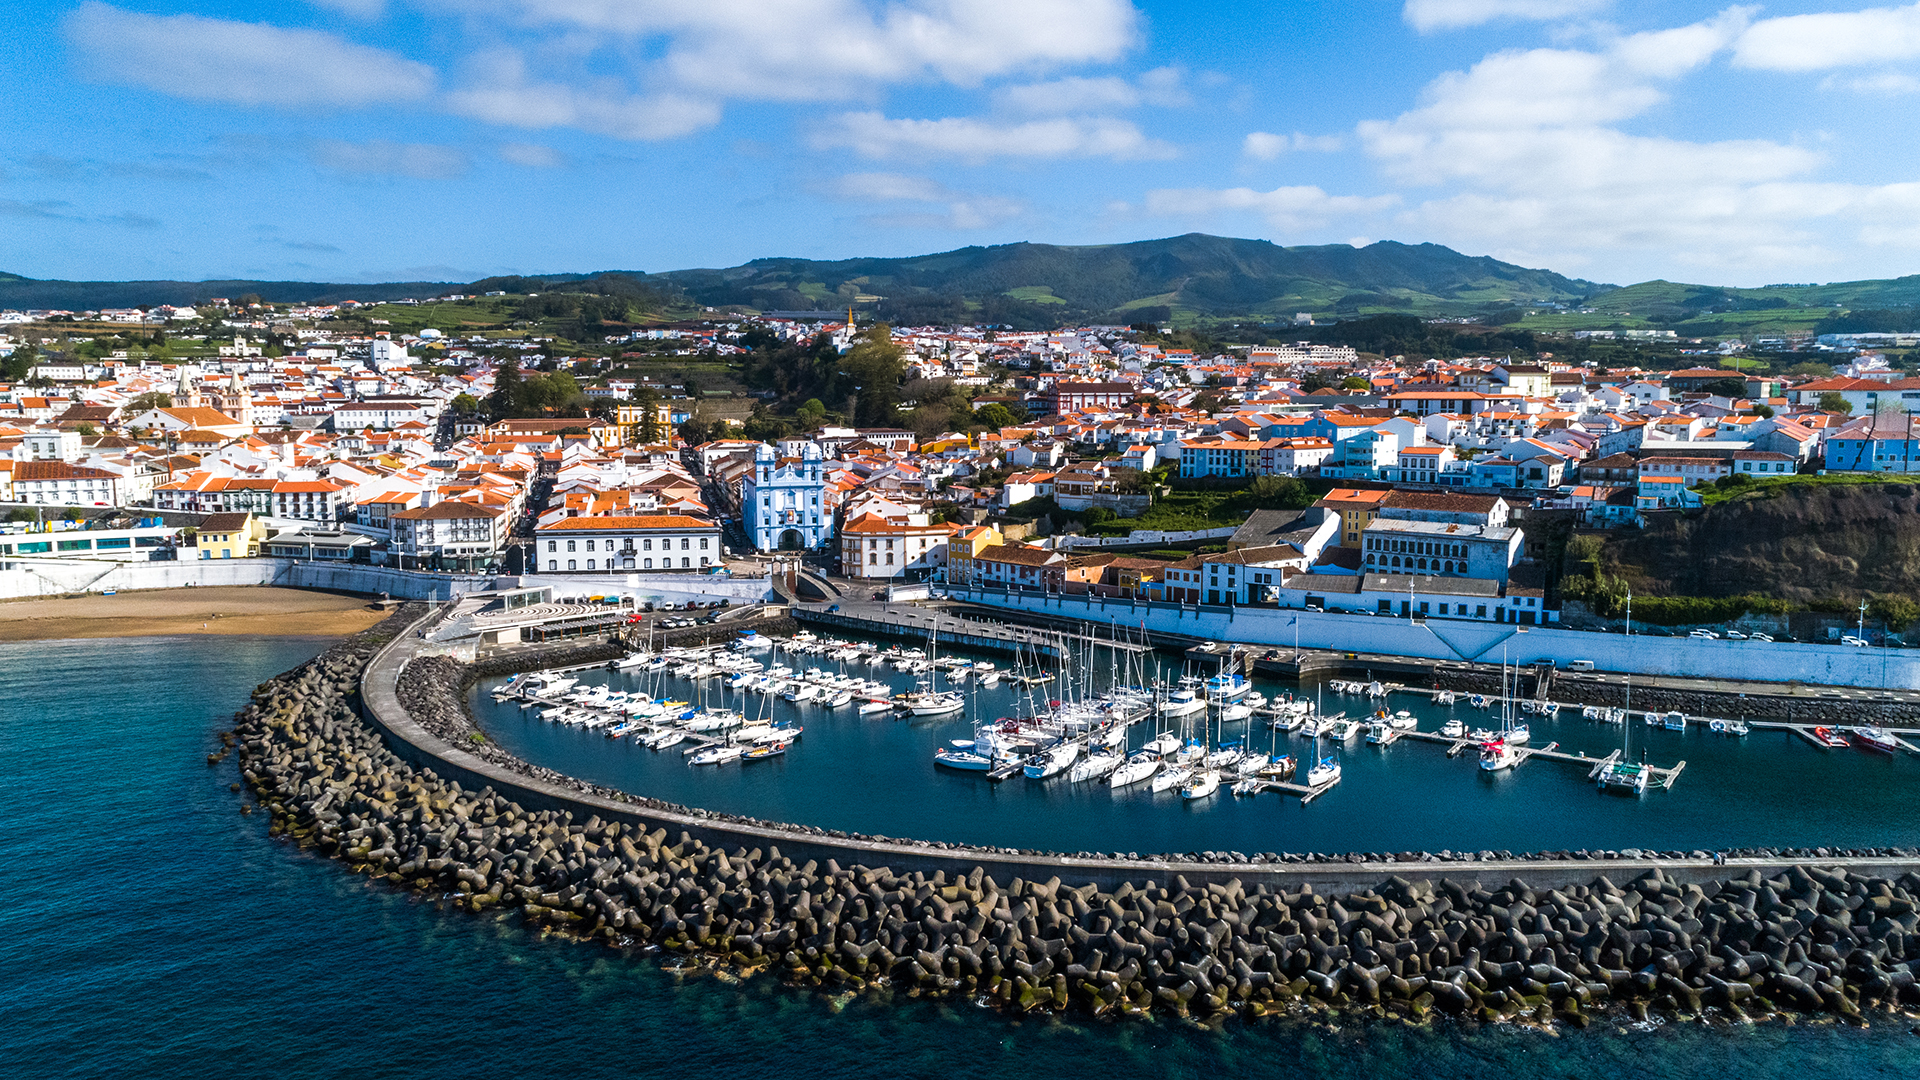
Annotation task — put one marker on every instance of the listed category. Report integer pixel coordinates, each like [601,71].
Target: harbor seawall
[1478,641]
[1526,939]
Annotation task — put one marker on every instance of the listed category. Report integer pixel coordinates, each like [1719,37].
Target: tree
[995,416]
[1209,403]
[87,430]
[648,400]
[504,402]
[1898,612]
[875,364]
[812,414]
[1355,382]
[152,399]
[19,362]
[1764,412]
[465,405]
[1832,401]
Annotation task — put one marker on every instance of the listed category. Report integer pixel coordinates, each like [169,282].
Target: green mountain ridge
[1185,279]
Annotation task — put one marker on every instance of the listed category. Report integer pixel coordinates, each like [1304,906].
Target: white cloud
[420,161]
[359,9]
[1265,145]
[1885,84]
[1161,87]
[244,63]
[874,135]
[961,210]
[1283,207]
[1535,167]
[1831,39]
[830,49]
[500,93]
[531,155]
[1429,15]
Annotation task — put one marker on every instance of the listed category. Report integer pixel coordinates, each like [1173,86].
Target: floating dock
[917,624]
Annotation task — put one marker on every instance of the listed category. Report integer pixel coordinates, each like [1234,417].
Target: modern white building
[619,542]
[783,500]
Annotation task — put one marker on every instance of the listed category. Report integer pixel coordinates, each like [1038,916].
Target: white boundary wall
[54,577]
[1446,639]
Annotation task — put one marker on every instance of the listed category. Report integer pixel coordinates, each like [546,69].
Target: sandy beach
[261,611]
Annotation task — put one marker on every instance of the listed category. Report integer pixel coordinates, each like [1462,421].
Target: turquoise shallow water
[147,929]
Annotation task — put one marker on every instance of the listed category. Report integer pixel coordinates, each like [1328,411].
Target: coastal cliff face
[1799,543]
[1789,939]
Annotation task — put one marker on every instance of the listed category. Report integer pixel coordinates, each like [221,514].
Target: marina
[871,766]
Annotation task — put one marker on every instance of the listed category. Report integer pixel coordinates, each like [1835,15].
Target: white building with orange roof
[875,547]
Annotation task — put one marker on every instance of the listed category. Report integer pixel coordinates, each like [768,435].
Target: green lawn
[1711,495]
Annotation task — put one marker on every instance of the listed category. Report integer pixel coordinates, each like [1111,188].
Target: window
[589,548]
[684,563]
[684,544]
[646,545]
[553,545]
[553,564]
[872,559]
[570,548]
[589,564]
[703,546]
[648,563]
[703,560]
[571,565]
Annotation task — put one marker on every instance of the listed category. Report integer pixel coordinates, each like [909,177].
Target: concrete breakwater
[1585,691]
[1761,938]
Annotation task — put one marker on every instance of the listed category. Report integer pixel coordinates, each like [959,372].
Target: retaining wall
[1448,639]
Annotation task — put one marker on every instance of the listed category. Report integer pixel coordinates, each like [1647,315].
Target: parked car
[1704,635]
[833,607]
[1735,635]
[1760,637]
[1857,642]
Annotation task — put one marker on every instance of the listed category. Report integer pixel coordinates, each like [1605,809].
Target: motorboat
[717,754]
[1445,697]
[663,739]
[1478,701]
[1250,765]
[1289,720]
[1327,772]
[752,641]
[840,700]
[1256,701]
[1141,765]
[1183,703]
[1052,762]
[1874,737]
[1517,735]
[1343,730]
[1228,687]
[1201,785]
[1235,711]
[1402,721]
[1497,755]
[1454,729]
[763,751]
[964,760]
[1674,721]
[1379,732]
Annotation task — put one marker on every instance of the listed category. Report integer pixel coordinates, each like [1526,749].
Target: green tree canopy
[1834,402]
[875,365]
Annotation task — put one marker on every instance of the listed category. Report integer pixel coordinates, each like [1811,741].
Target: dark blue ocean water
[147,929]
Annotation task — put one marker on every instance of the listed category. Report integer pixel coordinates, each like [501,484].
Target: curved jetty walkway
[367,754]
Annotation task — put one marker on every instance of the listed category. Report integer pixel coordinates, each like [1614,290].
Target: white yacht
[1497,755]
[1201,785]
[1135,769]
[1052,762]
[1327,772]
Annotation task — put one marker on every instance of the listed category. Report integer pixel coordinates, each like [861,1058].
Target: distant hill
[1022,284]
[1194,274]
[25,293]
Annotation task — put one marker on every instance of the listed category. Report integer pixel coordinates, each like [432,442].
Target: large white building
[783,500]
[637,542]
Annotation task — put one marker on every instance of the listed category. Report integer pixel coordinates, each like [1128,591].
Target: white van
[1579,665]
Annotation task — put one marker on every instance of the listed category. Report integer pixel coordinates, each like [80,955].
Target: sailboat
[1621,774]
[1326,771]
[1201,784]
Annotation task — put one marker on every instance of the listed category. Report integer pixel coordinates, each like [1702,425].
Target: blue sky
[352,140]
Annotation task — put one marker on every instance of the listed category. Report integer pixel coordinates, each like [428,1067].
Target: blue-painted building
[785,499]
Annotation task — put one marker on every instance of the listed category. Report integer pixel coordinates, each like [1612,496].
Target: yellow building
[630,419]
[230,536]
[1357,508]
[966,542]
